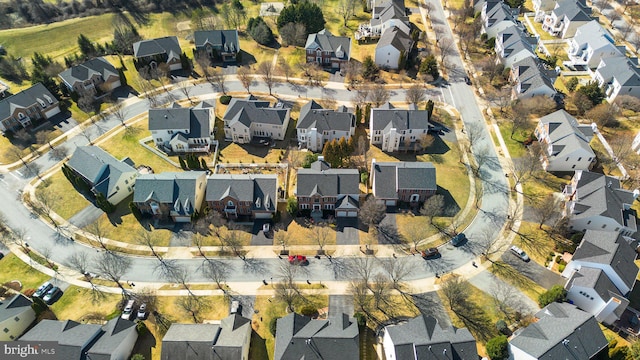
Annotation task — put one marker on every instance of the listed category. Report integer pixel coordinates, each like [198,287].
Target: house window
[588,222]
[579,159]
[230,203]
[617,229]
[16,319]
[170,132]
[6,330]
[604,226]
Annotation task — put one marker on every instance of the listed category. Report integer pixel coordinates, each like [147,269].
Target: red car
[430,253]
[298,260]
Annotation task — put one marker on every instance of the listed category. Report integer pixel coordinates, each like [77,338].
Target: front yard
[12,268]
[68,201]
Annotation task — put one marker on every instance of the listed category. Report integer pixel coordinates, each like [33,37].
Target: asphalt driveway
[534,271]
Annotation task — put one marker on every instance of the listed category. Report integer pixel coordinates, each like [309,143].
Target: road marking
[452,99]
[16,176]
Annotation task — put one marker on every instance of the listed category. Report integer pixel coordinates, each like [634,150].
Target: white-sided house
[316,125]
[591,290]
[91,75]
[385,15]
[542,8]
[497,17]
[250,117]
[598,202]
[591,44]
[610,252]
[513,44]
[564,142]
[618,76]
[183,130]
[565,19]
[393,129]
[393,48]
[16,315]
[402,181]
[530,78]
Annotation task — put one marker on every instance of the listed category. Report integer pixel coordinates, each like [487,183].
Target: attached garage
[390,202]
[263,215]
[182,219]
[53,112]
[346,213]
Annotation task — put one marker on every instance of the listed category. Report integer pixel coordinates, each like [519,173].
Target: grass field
[75,304]
[12,268]
[68,200]
[126,228]
[301,235]
[235,153]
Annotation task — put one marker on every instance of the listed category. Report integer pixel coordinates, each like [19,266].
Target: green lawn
[76,303]
[125,228]
[515,143]
[69,200]
[12,268]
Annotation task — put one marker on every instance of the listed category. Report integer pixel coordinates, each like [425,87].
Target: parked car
[52,295]
[520,253]
[459,239]
[467,80]
[430,253]
[128,310]
[42,290]
[266,227]
[298,260]
[142,312]
[236,307]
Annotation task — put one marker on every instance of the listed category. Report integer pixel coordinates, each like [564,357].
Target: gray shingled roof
[572,10]
[388,10]
[389,177]
[312,115]
[233,332]
[189,341]
[565,134]
[197,120]
[329,42]
[594,35]
[37,94]
[251,110]
[531,74]
[244,188]
[100,168]
[396,38]
[175,188]
[562,332]
[329,182]
[115,331]
[598,280]
[388,116]
[620,68]
[165,45]
[12,306]
[70,335]
[501,12]
[300,337]
[422,338]
[86,70]
[220,39]
[601,195]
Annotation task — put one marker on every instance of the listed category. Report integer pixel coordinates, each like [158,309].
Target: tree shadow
[258,349]
[144,344]
[451,206]
[254,266]
[247,59]
[429,304]
[476,320]
[438,146]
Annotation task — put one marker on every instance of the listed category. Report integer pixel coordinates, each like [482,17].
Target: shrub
[558,259]
[360,318]
[557,293]
[501,325]
[141,327]
[273,324]
[135,211]
[308,310]
[292,206]
[572,83]
[225,99]
[561,267]
[498,348]
[38,306]
[138,357]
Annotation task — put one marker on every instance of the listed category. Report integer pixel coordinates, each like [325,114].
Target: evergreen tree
[429,108]
[358,114]
[183,165]
[304,12]
[87,49]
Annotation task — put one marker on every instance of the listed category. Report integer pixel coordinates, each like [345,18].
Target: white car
[519,253]
[128,310]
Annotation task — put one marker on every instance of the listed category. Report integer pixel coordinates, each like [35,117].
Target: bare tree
[185,88]
[432,207]
[398,271]
[285,68]
[233,240]
[245,77]
[601,4]
[446,46]
[361,95]
[506,300]
[381,290]
[518,116]
[626,29]
[100,233]
[456,291]
[320,233]
[113,266]
[372,212]
[286,289]
[168,268]
[362,269]
[202,59]
[346,9]
[489,243]
[352,69]
[218,272]
[79,261]
[18,237]
[425,141]
[524,168]
[359,290]
[621,147]
[119,111]
[379,95]
[192,305]
[267,74]
[85,131]
[635,41]
[501,98]
[44,137]
[218,79]
[415,94]
[414,233]
[46,200]
[614,16]
[15,153]
[59,153]
[546,209]
[282,237]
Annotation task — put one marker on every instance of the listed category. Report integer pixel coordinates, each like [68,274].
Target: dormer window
[258,203]
[48,99]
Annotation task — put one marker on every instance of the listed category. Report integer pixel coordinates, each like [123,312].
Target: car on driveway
[298,260]
[42,290]
[52,295]
[430,253]
[459,239]
[519,253]
[128,310]
[142,312]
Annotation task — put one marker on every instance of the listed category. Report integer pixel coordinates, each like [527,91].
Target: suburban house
[393,48]
[394,129]
[300,337]
[105,175]
[496,17]
[591,290]
[239,195]
[607,251]
[96,76]
[323,188]
[29,106]
[423,338]
[229,340]
[597,202]
[394,183]
[171,195]
[513,44]
[316,125]
[385,15]
[564,142]
[591,44]
[561,331]
[566,17]
[16,315]
[530,78]
[183,130]
[247,118]
[542,8]
[116,341]
[328,50]
[154,52]
[219,45]
[618,76]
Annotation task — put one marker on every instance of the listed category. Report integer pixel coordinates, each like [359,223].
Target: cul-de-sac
[319,179]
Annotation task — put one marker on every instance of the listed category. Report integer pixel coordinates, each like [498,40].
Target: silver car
[519,253]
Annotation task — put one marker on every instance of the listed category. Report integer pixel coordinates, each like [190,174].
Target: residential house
[618,76]
[219,45]
[531,79]
[116,341]
[591,44]
[153,52]
[561,331]
[403,182]
[566,17]
[393,129]
[316,125]
[513,44]
[105,175]
[171,195]
[235,195]
[250,117]
[496,17]
[229,340]
[393,48]
[300,337]
[541,8]
[96,76]
[328,50]
[607,251]
[597,202]
[591,290]
[74,339]
[16,315]
[29,106]
[322,188]
[423,338]
[385,14]
[564,142]
[183,130]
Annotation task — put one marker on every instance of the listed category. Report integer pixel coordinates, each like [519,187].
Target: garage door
[52,112]
[390,202]
[341,213]
[352,213]
[263,215]
[182,219]
[177,66]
